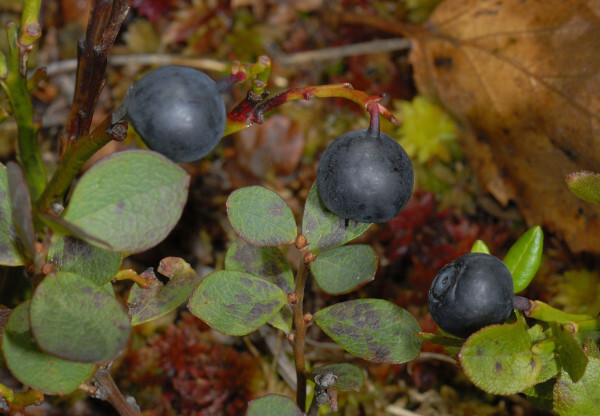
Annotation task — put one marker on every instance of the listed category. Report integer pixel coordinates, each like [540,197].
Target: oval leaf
[524,257]
[70,254]
[261,217]
[73,318]
[10,248]
[158,299]
[343,269]
[349,377]
[585,185]
[571,356]
[33,367]
[372,329]
[273,405]
[20,200]
[235,303]
[325,230]
[268,263]
[131,200]
[480,247]
[499,360]
[581,398]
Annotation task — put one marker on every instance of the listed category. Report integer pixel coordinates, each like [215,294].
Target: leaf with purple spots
[33,367]
[75,319]
[268,263]
[325,230]
[157,299]
[236,303]
[581,398]
[70,254]
[261,217]
[273,405]
[344,269]
[349,377]
[372,329]
[499,359]
[131,200]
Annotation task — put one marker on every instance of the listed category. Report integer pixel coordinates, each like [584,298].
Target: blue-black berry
[365,176]
[178,111]
[471,292]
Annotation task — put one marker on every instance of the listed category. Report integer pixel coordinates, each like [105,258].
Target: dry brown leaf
[524,78]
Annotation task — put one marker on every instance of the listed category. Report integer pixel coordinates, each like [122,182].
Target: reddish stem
[373,109]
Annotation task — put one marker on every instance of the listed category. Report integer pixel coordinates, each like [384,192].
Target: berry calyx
[178,111]
[471,292]
[365,176]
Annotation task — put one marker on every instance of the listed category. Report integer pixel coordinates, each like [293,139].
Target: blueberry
[178,111]
[365,176]
[471,292]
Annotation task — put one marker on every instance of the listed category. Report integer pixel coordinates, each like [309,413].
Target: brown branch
[300,321]
[106,17]
[108,390]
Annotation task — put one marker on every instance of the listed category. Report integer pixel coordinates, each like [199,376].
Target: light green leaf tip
[480,247]
[524,257]
[585,185]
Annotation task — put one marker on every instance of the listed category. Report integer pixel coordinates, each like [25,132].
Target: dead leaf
[276,145]
[523,77]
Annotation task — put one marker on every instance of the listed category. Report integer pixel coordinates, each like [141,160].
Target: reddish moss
[197,375]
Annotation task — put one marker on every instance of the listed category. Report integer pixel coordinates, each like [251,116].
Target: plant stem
[543,312]
[313,409]
[373,109]
[31,30]
[16,89]
[76,155]
[344,90]
[109,391]
[300,327]
[589,325]
[254,111]
[106,17]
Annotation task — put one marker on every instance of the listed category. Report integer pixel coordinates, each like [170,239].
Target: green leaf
[480,247]
[70,254]
[545,351]
[61,227]
[235,303]
[10,249]
[273,405]
[350,377]
[544,347]
[325,230]
[372,329]
[158,299]
[446,341]
[571,356]
[261,217]
[498,359]
[20,200]
[131,200]
[585,185]
[541,395]
[524,257]
[268,263]
[580,398]
[75,319]
[43,372]
[343,269]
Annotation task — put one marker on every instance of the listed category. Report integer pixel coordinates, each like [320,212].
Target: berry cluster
[363,175]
